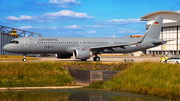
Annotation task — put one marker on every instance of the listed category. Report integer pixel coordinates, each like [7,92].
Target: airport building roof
[171,18]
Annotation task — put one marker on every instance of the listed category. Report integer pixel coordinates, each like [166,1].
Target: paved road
[103,59]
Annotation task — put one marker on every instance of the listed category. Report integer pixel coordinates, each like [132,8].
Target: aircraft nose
[6,48]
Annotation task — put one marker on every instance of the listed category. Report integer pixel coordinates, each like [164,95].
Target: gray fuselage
[66,45]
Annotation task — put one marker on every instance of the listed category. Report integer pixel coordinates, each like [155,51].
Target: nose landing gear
[24,59]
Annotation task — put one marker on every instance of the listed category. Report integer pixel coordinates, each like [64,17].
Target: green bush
[148,78]
[96,85]
[108,85]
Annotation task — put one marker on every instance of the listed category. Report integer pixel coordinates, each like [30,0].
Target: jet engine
[82,54]
[64,56]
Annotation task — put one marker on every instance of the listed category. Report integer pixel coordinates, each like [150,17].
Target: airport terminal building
[170,31]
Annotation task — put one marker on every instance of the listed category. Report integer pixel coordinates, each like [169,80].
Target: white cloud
[78,2]
[99,26]
[39,27]
[73,27]
[25,27]
[50,17]
[47,27]
[64,3]
[125,21]
[67,13]
[26,18]
[54,1]
[70,1]
[124,30]
[91,31]
[12,18]
[52,27]
[114,36]
[115,22]
[22,17]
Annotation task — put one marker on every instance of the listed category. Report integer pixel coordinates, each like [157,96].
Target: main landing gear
[96,58]
[24,59]
[83,59]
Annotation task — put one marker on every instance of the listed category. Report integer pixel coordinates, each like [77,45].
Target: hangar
[170,31]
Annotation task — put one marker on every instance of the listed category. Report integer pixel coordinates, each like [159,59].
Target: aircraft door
[144,44]
[110,42]
[26,42]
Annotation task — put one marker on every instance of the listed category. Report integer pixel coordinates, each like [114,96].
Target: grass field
[15,57]
[18,74]
[149,78]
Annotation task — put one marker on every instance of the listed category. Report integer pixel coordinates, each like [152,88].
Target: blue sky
[81,18]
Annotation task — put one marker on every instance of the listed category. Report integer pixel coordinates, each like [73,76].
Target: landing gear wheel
[83,59]
[176,62]
[96,58]
[24,59]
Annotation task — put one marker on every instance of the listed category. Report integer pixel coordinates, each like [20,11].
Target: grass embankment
[33,74]
[29,74]
[149,78]
[15,57]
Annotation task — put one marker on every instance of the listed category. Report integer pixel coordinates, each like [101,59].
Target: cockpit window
[15,42]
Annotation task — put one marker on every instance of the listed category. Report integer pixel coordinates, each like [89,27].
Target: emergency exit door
[26,42]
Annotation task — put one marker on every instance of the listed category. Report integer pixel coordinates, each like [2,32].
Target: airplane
[85,47]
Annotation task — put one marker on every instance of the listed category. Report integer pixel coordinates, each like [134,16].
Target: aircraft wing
[111,46]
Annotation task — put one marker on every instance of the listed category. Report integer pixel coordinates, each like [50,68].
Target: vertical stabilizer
[154,30]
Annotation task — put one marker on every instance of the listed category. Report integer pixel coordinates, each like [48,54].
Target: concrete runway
[102,59]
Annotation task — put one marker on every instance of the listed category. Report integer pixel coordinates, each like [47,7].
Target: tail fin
[154,30]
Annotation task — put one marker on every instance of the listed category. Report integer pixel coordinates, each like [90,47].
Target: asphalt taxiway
[103,59]
[108,59]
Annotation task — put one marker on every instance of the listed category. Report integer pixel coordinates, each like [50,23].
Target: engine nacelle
[82,54]
[63,56]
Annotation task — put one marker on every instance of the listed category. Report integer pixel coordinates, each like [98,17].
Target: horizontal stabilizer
[162,41]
